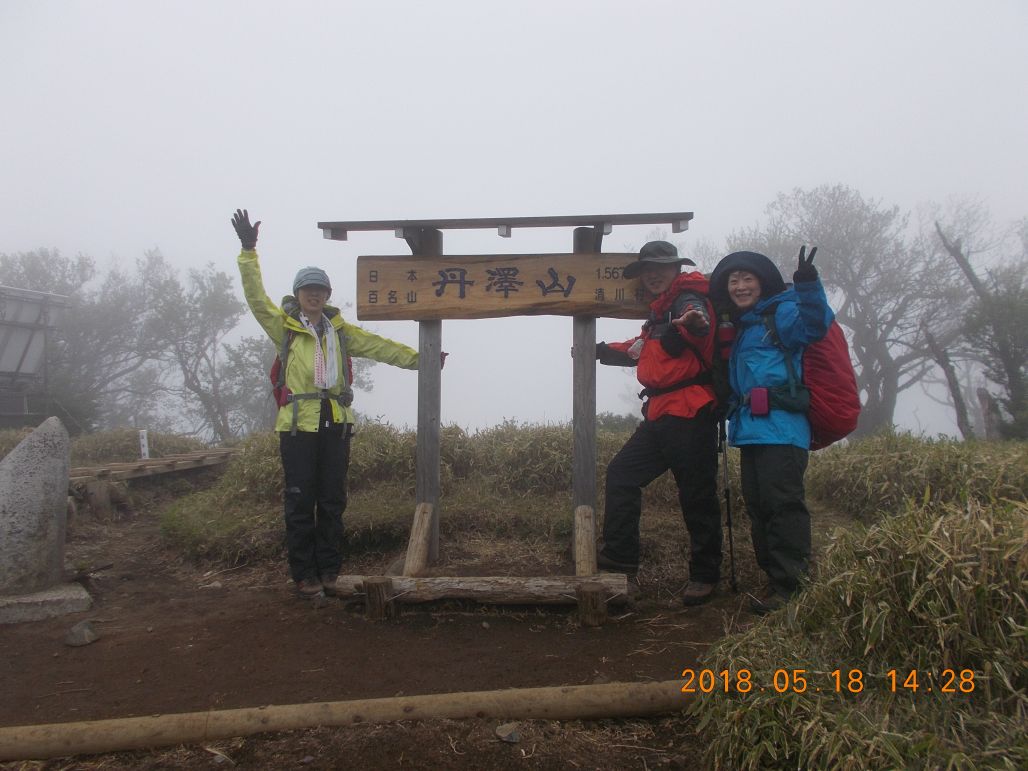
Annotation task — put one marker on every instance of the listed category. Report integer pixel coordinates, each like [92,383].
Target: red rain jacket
[657,369]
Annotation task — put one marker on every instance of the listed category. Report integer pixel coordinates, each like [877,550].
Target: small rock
[508,732]
[212,585]
[485,624]
[81,634]
[306,759]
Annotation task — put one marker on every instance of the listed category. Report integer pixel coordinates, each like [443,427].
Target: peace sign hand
[806,270]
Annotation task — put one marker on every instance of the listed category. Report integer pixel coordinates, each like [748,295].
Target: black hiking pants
[315,465]
[772,486]
[688,447]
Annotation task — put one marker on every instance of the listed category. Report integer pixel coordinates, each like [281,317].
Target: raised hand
[805,271]
[247,233]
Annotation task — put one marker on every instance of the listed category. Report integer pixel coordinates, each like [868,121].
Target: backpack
[277,374]
[829,377]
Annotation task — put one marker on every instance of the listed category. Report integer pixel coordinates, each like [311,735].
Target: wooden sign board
[491,286]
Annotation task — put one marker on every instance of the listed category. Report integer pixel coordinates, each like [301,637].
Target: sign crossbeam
[679,222]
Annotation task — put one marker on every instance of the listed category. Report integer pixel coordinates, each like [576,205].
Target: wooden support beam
[592,603]
[429,243]
[583,460]
[496,590]
[378,598]
[570,702]
[418,545]
[585,541]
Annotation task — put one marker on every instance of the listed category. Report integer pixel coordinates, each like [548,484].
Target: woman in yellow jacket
[314,421]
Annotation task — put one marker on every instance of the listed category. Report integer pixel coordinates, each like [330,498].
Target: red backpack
[828,375]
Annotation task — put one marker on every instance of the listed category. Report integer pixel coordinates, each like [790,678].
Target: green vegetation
[937,581]
[509,481]
[882,473]
[924,590]
[110,446]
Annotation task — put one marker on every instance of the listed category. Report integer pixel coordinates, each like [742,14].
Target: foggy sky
[133,125]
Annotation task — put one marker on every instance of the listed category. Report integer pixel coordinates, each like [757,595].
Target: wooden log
[420,539]
[592,603]
[98,496]
[576,702]
[585,541]
[496,590]
[378,599]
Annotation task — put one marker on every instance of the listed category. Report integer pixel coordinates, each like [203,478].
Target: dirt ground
[177,638]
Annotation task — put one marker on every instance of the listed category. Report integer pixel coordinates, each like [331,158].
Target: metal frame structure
[27,318]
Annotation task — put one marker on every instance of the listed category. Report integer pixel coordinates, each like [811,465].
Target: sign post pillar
[583,457]
[428,242]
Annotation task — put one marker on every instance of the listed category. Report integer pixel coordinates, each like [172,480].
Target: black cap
[658,253]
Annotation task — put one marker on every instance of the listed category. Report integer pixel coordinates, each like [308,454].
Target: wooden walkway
[93,483]
[151,467]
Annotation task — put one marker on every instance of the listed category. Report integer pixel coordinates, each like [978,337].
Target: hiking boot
[328,584]
[770,601]
[697,593]
[309,589]
[603,562]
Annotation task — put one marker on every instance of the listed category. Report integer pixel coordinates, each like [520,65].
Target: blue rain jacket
[802,315]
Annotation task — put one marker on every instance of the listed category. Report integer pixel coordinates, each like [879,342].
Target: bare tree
[996,326]
[191,323]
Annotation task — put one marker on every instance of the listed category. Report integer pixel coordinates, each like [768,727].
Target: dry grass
[926,589]
[882,473]
[110,446]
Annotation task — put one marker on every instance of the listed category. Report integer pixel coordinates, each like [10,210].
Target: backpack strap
[772,328]
[283,354]
[344,398]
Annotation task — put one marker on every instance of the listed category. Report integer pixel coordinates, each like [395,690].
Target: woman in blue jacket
[768,417]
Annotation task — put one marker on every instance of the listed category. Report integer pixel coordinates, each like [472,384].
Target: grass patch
[510,482]
[923,590]
[109,446]
[882,473]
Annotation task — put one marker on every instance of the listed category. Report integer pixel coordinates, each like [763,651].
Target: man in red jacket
[673,355]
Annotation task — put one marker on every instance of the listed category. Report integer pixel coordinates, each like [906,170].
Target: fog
[134,125]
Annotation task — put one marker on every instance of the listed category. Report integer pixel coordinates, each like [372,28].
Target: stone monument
[33,525]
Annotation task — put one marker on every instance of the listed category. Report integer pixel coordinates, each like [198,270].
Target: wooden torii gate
[397,288]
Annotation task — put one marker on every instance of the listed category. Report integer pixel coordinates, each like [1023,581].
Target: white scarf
[326,362]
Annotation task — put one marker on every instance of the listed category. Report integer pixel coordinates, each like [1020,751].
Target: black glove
[806,270]
[247,233]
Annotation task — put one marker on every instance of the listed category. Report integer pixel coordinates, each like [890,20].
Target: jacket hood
[771,281]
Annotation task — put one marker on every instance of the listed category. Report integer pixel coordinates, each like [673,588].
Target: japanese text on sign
[485,286]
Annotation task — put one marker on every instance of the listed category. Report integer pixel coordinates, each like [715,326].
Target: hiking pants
[772,486]
[688,447]
[315,465]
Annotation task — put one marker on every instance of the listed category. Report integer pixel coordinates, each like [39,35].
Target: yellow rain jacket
[300,363]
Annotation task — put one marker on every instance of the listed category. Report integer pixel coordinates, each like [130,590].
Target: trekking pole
[723,447]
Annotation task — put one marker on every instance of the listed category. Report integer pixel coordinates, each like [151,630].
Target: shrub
[925,590]
[881,473]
